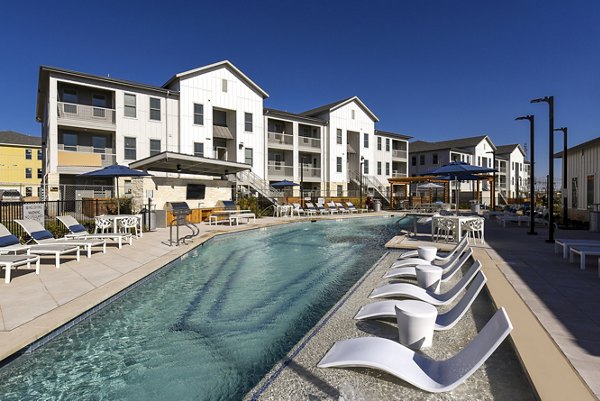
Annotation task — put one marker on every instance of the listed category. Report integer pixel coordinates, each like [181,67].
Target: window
[435,158]
[154,147]
[339,165]
[28,173]
[248,156]
[99,144]
[387,144]
[69,95]
[198,149]
[422,160]
[340,190]
[413,161]
[513,166]
[28,191]
[127,186]
[353,113]
[40,155]
[28,155]
[248,122]
[195,191]
[70,142]
[512,180]
[378,168]
[520,166]
[198,114]
[40,175]
[155,108]
[366,167]
[387,168]
[479,160]
[378,143]
[590,191]
[130,105]
[455,157]
[574,190]
[224,85]
[366,140]
[339,136]
[99,100]
[130,153]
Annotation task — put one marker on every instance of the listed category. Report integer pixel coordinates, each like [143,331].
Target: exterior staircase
[249,179]
[371,182]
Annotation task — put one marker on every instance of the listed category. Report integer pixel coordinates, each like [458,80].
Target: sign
[33,211]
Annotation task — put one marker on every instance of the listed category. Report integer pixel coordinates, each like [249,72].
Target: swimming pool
[213,324]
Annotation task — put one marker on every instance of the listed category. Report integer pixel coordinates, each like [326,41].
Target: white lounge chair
[40,235]
[14,261]
[322,209]
[353,208]
[10,244]
[341,208]
[297,209]
[78,231]
[448,270]
[332,207]
[406,290]
[438,258]
[566,244]
[444,321]
[419,261]
[310,209]
[415,368]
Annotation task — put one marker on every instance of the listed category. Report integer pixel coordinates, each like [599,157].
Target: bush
[250,203]
[124,204]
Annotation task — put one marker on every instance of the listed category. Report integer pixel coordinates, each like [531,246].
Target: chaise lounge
[78,231]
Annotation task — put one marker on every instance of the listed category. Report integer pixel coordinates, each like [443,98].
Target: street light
[564,173]
[550,101]
[493,152]
[362,161]
[531,120]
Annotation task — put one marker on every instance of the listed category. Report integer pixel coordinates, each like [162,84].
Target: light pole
[550,101]
[531,120]
[493,152]
[302,181]
[564,174]
[362,161]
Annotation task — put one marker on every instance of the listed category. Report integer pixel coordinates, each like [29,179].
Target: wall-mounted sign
[33,211]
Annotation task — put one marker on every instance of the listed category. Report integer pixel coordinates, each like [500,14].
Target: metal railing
[399,153]
[106,156]
[309,171]
[280,170]
[309,142]
[83,112]
[263,187]
[280,138]
[396,173]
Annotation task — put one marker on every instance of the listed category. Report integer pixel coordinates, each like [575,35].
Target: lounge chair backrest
[457,259]
[479,349]
[332,205]
[6,237]
[297,206]
[72,224]
[451,317]
[310,205]
[35,229]
[462,283]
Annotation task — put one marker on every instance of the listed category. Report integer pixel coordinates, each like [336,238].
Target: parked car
[10,195]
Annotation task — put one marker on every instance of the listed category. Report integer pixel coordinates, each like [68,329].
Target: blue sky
[435,70]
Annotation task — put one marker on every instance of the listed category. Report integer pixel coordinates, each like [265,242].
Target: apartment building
[512,178]
[21,163]
[213,113]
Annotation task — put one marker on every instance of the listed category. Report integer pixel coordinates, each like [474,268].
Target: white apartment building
[198,129]
[513,171]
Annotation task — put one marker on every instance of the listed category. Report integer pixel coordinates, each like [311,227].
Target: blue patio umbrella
[116,171]
[284,183]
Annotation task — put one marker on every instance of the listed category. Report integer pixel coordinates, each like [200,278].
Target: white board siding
[582,163]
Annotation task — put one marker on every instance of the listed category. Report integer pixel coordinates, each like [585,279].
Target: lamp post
[531,120]
[362,161]
[550,101]
[564,174]
[302,181]
[493,152]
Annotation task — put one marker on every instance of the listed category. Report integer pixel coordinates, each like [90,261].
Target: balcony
[310,173]
[72,157]
[398,174]
[276,169]
[278,138]
[77,115]
[308,142]
[399,154]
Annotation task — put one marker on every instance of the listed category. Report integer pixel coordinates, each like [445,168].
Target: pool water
[210,327]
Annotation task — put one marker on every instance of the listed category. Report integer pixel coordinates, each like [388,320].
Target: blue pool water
[210,327]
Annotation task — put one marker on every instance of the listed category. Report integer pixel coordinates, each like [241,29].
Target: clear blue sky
[431,69]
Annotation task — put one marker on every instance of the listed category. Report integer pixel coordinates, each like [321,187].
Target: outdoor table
[416,321]
[429,277]
[457,223]
[427,253]
[115,218]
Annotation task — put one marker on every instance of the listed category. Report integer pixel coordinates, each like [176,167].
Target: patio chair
[474,229]
[341,208]
[10,244]
[406,290]
[440,262]
[297,209]
[310,209]
[129,224]
[415,368]
[78,231]
[353,208]
[448,270]
[40,235]
[440,259]
[322,209]
[444,321]
[102,225]
[332,207]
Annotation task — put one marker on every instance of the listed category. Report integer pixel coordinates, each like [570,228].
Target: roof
[172,162]
[422,146]
[505,149]
[590,143]
[336,105]
[211,67]
[285,114]
[15,138]
[392,134]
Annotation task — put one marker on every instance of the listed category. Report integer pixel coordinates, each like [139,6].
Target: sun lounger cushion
[77,228]
[40,235]
[8,240]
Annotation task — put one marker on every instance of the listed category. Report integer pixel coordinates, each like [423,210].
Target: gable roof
[583,145]
[392,134]
[267,111]
[211,67]
[336,105]
[422,146]
[505,149]
[15,138]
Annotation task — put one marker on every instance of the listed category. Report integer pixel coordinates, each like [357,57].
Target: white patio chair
[103,224]
[448,269]
[415,368]
[128,224]
[474,230]
[440,259]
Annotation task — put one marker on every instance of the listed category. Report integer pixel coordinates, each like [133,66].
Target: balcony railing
[399,153]
[309,142]
[82,112]
[309,171]
[279,138]
[398,174]
[85,155]
[280,170]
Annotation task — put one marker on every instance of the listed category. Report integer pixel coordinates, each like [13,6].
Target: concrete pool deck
[564,299]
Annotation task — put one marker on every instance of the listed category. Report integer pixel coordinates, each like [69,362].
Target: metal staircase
[252,181]
[502,197]
[371,183]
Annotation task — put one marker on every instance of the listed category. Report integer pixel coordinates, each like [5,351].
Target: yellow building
[21,163]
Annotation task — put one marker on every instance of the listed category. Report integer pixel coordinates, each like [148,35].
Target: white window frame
[248,124]
[154,141]
[154,109]
[128,108]
[125,148]
[199,115]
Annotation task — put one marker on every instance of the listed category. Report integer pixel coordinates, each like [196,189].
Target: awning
[222,132]
[171,162]
[350,149]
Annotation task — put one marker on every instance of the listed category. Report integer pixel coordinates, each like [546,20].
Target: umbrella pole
[456,192]
[118,201]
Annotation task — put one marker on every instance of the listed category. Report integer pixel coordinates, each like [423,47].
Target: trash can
[377,205]
[148,219]
[475,206]
[595,218]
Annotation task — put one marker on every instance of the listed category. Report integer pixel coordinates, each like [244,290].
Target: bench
[583,251]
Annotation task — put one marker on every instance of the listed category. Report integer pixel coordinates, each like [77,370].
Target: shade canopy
[463,177]
[284,183]
[457,168]
[171,162]
[116,170]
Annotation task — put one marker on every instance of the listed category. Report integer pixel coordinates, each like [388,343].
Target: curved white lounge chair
[413,291]
[78,231]
[444,321]
[448,271]
[417,369]
[439,259]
